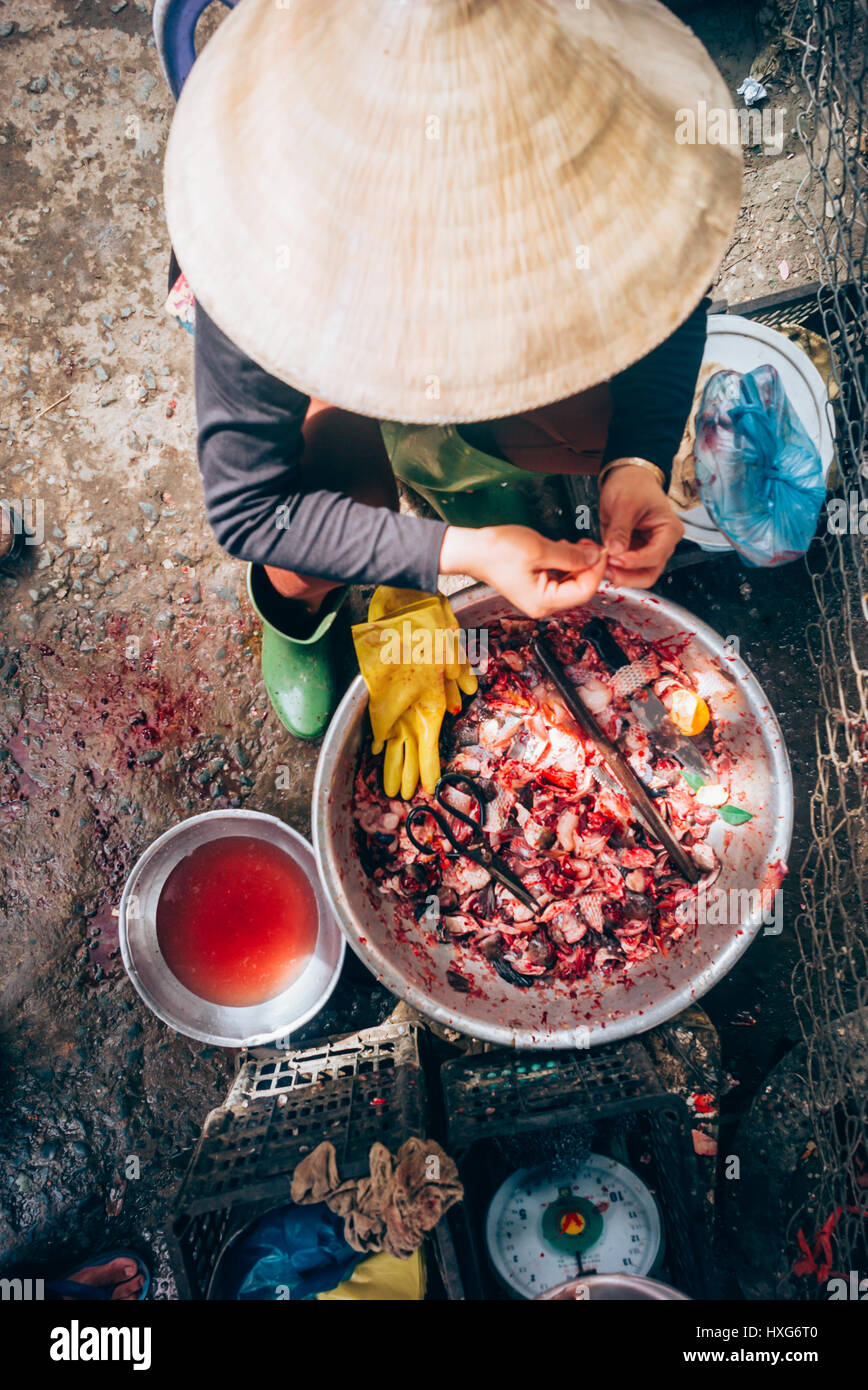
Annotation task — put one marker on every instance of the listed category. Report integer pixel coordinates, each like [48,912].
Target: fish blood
[237,921]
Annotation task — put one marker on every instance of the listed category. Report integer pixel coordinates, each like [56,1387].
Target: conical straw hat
[441,210]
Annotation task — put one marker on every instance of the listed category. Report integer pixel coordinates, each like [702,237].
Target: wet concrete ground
[130,692]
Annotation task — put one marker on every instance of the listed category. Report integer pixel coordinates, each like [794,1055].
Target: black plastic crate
[496,1097]
[502,1091]
[834,312]
[353,1092]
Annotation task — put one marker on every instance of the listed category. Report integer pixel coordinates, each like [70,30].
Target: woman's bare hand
[538,576]
[639,526]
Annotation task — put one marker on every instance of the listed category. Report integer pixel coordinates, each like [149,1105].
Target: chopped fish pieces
[608,895]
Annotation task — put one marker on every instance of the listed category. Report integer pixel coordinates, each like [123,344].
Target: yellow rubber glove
[413,750]
[396,659]
[428,718]
[413,676]
[401,603]
[386,601]
[459,677]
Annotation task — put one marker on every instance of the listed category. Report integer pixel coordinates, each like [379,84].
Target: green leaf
[693,780]
[733,815]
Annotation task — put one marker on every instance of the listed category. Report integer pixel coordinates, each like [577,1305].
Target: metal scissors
[473,848]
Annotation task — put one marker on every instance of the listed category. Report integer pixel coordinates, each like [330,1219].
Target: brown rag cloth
[393,1208]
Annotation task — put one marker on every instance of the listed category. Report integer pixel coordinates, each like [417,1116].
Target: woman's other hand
[639,526]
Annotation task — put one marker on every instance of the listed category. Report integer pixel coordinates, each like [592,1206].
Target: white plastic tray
[741,344]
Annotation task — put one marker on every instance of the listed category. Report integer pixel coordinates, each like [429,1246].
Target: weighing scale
[548,1224]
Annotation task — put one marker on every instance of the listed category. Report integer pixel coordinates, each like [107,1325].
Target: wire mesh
[830,38]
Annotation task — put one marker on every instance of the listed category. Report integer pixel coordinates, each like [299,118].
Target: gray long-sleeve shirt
[250,447]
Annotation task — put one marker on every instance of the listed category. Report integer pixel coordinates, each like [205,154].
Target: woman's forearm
[651,400]
[328,536]
[250,448]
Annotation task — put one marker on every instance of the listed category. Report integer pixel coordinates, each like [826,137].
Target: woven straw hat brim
[448,210]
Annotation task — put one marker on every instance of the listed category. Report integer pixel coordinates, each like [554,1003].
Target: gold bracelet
[632,463]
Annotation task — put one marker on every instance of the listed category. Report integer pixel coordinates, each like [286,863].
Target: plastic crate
[500,1095]
[353,1092]
[506,1092]
[824,309]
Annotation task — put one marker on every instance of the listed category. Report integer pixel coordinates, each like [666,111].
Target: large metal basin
[549,1015]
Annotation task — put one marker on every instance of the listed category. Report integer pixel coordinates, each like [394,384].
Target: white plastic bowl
[742,345]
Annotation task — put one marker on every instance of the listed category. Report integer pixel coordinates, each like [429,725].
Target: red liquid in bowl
[237,921]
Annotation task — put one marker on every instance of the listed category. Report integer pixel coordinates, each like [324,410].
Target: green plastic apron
[464,486]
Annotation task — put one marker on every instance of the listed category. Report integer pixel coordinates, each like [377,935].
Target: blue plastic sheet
[759,474]
[291,1252]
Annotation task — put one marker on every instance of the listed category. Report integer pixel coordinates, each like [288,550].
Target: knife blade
[653,716]
[650,709]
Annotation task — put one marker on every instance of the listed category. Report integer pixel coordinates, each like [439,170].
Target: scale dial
[547,1225]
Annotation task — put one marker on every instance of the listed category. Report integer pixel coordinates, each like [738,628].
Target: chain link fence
[827,41]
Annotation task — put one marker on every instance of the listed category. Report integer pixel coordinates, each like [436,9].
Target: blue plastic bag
[759,475]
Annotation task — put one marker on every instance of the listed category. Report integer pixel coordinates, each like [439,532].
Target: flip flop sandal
[66,1287]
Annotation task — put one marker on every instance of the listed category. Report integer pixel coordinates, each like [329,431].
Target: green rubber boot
[299,671]
[464,486]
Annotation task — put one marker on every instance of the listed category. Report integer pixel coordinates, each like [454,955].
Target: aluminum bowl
[549,1015]
[611,1288]
[219,1024]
